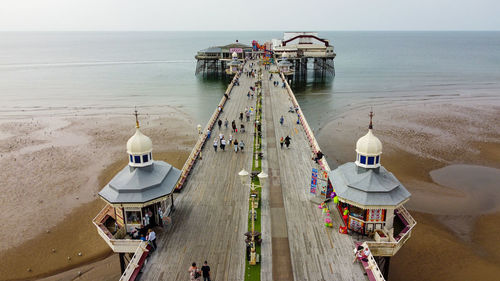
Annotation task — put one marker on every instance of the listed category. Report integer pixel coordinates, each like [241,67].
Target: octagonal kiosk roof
[139,185]
[365,187]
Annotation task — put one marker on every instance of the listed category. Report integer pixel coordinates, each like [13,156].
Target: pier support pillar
[383,264]
[122,262]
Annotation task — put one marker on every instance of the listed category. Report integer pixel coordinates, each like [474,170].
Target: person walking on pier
[194,273]
[219,123]
[282,119]
[233,124]
[282,140]
[242,128]
[287,141]
[236,145]
[241,116]
[226,123]
[230,139]
[242,145]
[223,144]
[205,270]
[152,238]
[208,133]
[215,145]
[248,116]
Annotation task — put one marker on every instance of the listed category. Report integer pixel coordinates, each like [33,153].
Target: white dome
[235,55]
[369,145]
[139,144]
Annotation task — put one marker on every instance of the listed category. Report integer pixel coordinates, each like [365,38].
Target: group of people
[145,234]
[285,140]
[196,273]
[222,142]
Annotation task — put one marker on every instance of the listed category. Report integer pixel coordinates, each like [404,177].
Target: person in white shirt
[152,238]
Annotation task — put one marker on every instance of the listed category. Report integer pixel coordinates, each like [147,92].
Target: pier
[208,215]
[211,212]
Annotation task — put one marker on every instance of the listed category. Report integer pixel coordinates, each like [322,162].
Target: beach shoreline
[56,166]
[452,222]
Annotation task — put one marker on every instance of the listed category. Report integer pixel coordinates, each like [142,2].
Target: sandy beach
[55,165]
[455,238]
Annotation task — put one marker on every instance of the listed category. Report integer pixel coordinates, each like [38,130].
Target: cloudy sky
[249,15]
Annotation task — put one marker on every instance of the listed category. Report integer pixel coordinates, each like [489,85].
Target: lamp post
[244,176]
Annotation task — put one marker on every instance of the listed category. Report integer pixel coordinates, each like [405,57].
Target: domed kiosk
[234,64]
[371,198]
[137,196]
[284,65]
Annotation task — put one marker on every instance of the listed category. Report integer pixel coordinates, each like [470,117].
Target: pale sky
[314,15]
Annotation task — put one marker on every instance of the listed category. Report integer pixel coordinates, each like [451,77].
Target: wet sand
[55,165]
[456,235]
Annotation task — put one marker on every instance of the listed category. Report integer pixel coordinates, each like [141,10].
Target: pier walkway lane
[211,211]
[317,252]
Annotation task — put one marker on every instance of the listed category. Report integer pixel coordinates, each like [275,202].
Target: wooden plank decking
[211,212]
[317,252]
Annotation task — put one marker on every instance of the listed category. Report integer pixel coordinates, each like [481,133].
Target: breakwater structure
[309,222]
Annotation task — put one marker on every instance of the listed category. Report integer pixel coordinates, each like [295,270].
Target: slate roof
[368,187]
[139,185]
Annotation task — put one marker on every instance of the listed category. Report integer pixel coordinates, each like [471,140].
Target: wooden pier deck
[211,212]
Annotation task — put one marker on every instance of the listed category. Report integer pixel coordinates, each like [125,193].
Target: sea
[65,71]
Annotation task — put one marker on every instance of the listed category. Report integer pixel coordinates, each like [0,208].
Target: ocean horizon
[51,70]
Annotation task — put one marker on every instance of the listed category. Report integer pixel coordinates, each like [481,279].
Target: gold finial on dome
[136,119]
[371,117]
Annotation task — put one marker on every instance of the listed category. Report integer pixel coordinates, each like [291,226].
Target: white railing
[117,245]
[390,248]
[309,133]
[134,262]
[193,156]
[371,267]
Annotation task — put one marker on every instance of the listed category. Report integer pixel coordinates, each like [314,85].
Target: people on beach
[194,273]
[205,269]
[287,141]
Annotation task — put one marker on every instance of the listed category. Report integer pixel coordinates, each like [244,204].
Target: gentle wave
[94,63]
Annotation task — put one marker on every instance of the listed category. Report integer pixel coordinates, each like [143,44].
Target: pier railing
[116,244]
[136,263]
[193,156]
[313,143]
[371,267]
[372,270]
[390,248]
